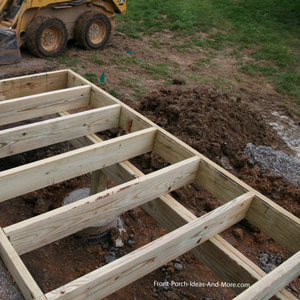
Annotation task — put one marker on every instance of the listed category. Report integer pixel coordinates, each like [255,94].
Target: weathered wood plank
[270,284]
[32,136]
[19,272]
[33,84]
[106,280]
[33,106]
[46,228]
[52,170]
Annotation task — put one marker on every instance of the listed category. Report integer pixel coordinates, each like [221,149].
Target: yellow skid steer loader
[45,26]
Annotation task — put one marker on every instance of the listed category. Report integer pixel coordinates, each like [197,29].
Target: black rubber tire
[33,36]
[82,28]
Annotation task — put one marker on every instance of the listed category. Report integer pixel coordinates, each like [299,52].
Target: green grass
[130,82]
[114,93]
[95,59]
[92,77]
[67,61]
[157,71]
[266,30]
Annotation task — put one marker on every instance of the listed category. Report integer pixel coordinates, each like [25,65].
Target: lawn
[266,31]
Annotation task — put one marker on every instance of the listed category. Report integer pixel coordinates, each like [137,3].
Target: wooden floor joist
[54,225]
[228,263]
[40,95]
[40,134]
[44,104]
[52,170]
[18,270]
[108,279]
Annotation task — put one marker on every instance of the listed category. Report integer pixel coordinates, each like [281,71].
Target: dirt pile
[212,122]
[219,126]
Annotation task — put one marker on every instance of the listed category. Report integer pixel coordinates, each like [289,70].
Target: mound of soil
[219,126]
[211,122]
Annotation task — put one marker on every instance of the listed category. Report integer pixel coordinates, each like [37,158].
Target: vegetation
[268,31]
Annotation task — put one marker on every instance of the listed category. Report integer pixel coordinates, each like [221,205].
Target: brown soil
[28,65]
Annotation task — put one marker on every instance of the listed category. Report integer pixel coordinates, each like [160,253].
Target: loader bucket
[9,48]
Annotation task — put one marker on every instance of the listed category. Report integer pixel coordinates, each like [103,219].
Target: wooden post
[98,182]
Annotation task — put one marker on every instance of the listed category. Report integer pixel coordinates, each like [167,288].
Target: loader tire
[92,30]
[46,36]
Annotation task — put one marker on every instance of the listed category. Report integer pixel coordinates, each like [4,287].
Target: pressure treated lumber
[266,287]
[51,226]
[32,136]
[52,170]
[222,258]
[98,182]
[33,84]
[106,280]
[271,218]
[19,272]
[222,184]
[33,106]
[182,152]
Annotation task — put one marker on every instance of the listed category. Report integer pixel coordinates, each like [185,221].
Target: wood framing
[42,95]
[44,104]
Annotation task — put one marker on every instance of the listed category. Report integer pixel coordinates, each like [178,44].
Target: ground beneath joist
[218,123]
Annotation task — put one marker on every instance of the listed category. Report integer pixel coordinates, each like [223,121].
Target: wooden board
[32,136]
[104,281]
[52,170]
[56,224]
[33,106]
[274,281]
[17,269]
[33,84]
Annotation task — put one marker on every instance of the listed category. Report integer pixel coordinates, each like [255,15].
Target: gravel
[275,161]
[178,267]
[8,290]
[269,261]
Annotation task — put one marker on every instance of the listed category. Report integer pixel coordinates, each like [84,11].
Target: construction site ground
[199,96]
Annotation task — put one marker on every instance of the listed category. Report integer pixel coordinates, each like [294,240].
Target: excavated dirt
[219,126]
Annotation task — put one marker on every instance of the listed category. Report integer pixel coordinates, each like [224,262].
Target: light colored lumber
[46,228]
[106,280]
[33,84]
[52,170]
[32,136]
[275,221]
[19,272]
[227,262]
[270,284]
[221,257]
[271,218]
[33,106]
[98,182]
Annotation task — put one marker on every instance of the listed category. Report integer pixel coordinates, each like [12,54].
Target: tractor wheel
[92,30]
[46,36]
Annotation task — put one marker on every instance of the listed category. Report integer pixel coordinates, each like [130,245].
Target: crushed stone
[8,290]
[275,161]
